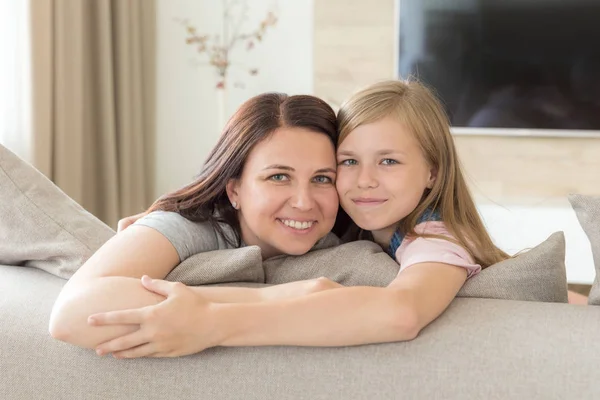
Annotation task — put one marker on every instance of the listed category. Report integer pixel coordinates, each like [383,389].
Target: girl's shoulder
[432,228]
[442,248]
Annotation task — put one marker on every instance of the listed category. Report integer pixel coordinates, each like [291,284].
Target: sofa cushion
[535,275]
[587,209]
[478,349]
[40,226]
[538,274]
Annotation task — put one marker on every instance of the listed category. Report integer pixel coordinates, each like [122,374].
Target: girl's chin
[372,226]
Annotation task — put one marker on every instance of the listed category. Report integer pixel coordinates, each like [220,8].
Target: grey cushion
[536,275]
[587,209]
[40,226]
[478,349]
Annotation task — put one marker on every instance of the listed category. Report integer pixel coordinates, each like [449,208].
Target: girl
[400,179]
[400,182]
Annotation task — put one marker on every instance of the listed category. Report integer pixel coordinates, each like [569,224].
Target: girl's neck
[383,236]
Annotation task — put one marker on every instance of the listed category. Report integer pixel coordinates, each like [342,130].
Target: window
[15,77]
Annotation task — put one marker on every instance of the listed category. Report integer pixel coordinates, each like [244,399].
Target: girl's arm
[341,317]
[289,290]
[348,316]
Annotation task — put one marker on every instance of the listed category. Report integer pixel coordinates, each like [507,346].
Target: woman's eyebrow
[287,168]
[279,166]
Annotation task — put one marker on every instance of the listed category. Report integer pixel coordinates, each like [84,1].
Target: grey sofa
[478,349]
[490,344]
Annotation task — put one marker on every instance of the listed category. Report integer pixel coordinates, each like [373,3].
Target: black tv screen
[527,64]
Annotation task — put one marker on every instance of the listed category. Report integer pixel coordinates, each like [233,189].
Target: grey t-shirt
[191,238]
[186,236]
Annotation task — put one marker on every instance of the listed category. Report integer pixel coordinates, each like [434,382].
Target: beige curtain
[93,73]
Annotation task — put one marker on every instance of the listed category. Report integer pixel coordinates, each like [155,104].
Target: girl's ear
[232,189]
[432,177]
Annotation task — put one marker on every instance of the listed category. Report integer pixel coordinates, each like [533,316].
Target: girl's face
[382,175]
[286,195]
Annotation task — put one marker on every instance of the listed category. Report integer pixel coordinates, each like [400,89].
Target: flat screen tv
[506,64]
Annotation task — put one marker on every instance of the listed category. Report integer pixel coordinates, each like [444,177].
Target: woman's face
[286,196]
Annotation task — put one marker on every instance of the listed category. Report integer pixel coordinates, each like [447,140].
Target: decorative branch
[218,48]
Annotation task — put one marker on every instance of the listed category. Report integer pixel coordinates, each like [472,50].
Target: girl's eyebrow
[387,151]
[380,152]
[322,170]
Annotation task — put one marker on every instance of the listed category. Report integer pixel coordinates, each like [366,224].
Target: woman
[269,182]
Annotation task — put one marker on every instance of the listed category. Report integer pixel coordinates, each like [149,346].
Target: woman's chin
[296,250]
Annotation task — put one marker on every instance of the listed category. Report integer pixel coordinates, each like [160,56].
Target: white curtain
[15,77]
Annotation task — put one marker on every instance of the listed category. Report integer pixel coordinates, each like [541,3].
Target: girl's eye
[348,162]
[388,161]
[323,179]
[279,177]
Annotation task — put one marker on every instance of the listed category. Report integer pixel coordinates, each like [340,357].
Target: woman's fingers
[159,286]
[145,350]
[124,317]
[123,344]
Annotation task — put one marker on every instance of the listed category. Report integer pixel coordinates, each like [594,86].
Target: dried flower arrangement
[218,48]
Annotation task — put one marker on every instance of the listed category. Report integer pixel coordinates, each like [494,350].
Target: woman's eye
[278,177]
[323,179]
[348,162]
[388,161]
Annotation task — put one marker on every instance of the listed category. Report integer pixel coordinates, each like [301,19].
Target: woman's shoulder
[188,237]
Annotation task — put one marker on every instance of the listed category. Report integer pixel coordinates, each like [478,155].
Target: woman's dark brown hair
[205,199]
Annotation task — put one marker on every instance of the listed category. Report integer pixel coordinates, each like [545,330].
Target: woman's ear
[432,177]
[232,189]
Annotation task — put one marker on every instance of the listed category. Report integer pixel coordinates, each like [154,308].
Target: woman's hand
[298,289]
[127,221]
[180,325]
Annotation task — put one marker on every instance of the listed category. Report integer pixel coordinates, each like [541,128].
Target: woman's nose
[302,199]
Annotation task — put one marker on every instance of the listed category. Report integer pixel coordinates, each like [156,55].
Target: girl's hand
[127,221]
[299,288]
[182,324]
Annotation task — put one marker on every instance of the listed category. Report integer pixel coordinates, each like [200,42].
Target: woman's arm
[110,281]
[341,317]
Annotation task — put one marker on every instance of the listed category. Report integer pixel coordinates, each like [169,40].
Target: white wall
[187,111]
[515,228]
[186,114]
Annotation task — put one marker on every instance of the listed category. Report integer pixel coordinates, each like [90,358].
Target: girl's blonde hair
[418,109]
